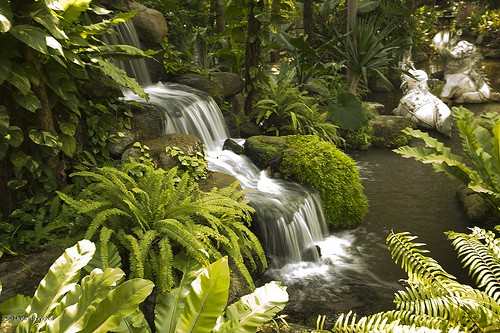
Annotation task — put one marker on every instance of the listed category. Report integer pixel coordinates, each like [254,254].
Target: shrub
[321,165]
[154,217]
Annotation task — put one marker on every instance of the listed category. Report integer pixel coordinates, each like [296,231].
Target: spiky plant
[433,300]
[153,216]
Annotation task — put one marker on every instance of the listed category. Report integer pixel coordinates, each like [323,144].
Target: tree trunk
[220,22]
[352,8]
[252,53]
[309,19]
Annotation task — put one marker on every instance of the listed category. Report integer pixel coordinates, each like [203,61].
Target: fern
[154,216]
[433,301]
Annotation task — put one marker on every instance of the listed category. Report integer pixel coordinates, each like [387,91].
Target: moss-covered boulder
[386,131]
[265,151]
[312,161]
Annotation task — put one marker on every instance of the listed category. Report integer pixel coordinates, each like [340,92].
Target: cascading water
[289,216]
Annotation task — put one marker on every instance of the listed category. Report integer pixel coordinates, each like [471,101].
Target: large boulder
[231,83]
[149,23]
[386,130]
[189,144]
[147,123]
[265,151]
[199,82]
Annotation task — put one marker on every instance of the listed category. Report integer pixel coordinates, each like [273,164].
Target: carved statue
[464,82]
[420,106]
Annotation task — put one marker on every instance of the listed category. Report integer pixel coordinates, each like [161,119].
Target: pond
[357,272]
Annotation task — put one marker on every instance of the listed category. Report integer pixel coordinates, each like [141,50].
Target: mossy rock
[312,161]
[265,151]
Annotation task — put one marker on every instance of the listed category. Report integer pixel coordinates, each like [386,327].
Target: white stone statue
[420,106]
[464,82]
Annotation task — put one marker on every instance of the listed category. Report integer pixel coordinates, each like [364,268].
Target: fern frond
[104,238]
[416,265]
[482,261]
[101,218]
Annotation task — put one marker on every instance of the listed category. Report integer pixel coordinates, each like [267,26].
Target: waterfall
[289,217]
[127,35]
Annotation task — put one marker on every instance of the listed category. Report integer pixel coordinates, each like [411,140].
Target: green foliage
[199,304]
[366,50]
[287,110]
[55,115]
[194,164]
[481,146]
[65,303]
[487,24]
[154,217]
[320,164]
[433,299]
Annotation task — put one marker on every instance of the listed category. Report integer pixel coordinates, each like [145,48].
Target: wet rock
[233,146]
[474,207]
[265,151]
[200,82]
[216,179]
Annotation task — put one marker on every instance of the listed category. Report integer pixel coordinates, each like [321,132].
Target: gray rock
[149,23]
[231,83]
[200,82]
[386,130]
[473,205]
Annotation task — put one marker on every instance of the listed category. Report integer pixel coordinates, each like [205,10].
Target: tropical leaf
[119,303]
[61,277]
[206,299]
[253,310]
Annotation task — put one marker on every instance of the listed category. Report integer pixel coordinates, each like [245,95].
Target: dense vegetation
[61,105]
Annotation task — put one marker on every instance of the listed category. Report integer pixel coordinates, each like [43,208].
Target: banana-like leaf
[61,277]
[95,287]
[206,299]
[253,310]
[15,306]
[169,306]
[134,323]
[119,303]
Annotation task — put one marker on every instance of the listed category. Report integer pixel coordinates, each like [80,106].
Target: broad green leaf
[16,136]
[119,303]
[45,138]
[169,306]
[206,299]
[5,17]
[54,44]
[30,35]
[68,128]
[19,159]
[349,113]
[4,120]
[19,79]
[94,288]
[61,277]
[15,306]
[68,144]
[42,14]
[253,310]
[28,101]
[120,76]
[5,69]
[69,9]
[134,323]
